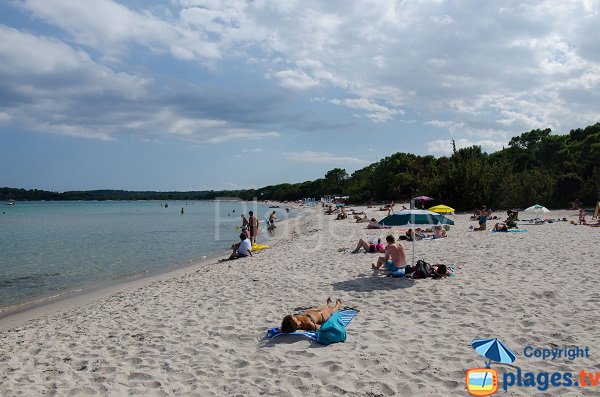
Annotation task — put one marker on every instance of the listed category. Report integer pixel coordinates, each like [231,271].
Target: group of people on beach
[250,229]
[394,258]
[484,214]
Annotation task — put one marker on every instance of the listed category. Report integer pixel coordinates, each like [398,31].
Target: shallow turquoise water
[52,248]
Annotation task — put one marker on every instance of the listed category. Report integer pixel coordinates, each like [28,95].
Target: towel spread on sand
[346,314]
[510,231]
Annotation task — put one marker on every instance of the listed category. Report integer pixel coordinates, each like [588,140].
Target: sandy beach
[201,331]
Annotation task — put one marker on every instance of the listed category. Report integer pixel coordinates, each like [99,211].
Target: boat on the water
[10,202]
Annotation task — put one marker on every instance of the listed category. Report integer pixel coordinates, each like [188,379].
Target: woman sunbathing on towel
[311,319]
[369,247]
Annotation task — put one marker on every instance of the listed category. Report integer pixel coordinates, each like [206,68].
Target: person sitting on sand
[390,208]
[511,220]
[373,224]
[438,232]
[395,256]
[582,214]
[342,214]
[408,236]
[310,319]
[364,218]
[369,247]
[242,249]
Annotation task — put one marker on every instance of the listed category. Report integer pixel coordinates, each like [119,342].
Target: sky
[209,94]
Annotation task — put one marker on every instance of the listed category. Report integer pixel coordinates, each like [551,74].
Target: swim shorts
[390,266]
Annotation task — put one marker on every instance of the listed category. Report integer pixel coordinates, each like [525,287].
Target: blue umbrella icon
[494,350]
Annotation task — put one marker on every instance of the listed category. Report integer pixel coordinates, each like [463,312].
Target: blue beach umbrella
[494,350]
[414,217]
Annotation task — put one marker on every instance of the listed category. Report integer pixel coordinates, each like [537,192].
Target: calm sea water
[48,249]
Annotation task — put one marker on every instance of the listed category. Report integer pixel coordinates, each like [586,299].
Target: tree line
[536,167]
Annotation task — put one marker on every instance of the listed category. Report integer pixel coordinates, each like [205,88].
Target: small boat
[274,206]
[10,202]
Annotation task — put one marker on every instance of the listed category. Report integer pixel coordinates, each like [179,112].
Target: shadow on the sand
[375,282]
[289,340]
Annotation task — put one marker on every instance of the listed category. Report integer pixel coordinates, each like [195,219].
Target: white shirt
[245,247]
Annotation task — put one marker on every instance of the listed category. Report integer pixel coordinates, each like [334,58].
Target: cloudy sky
[201,94]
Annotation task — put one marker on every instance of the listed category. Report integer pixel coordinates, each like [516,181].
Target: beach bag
[332,330]
[424,270]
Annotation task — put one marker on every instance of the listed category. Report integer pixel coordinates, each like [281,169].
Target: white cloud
[538,66]
[296,80]
[51,87]
[324,158]
[377,113]
[109,27]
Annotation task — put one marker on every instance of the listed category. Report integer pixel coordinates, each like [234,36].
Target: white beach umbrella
[536,209]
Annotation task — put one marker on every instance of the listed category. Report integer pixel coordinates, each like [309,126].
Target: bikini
[312,319]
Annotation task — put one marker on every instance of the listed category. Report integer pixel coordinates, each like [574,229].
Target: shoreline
[15,315]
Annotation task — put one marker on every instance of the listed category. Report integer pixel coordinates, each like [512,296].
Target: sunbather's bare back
[397,254]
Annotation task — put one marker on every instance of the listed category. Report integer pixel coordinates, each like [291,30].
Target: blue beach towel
[510,231]
[338,319]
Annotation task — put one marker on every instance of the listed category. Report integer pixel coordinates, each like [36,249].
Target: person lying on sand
[369,247]
[424,271]
[310,319]
[373,224]
[395,256]
[500,227]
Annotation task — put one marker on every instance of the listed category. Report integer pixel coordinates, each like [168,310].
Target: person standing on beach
[245,223]
[253,225]
[272,218]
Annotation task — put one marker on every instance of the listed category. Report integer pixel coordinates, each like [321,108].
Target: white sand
[201,332]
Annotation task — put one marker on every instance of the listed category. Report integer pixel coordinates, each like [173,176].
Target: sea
[51,249]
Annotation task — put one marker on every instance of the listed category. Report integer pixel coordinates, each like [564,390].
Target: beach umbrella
[441,209]
[413,218]
[422,199]
[493,350]
[537,209]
